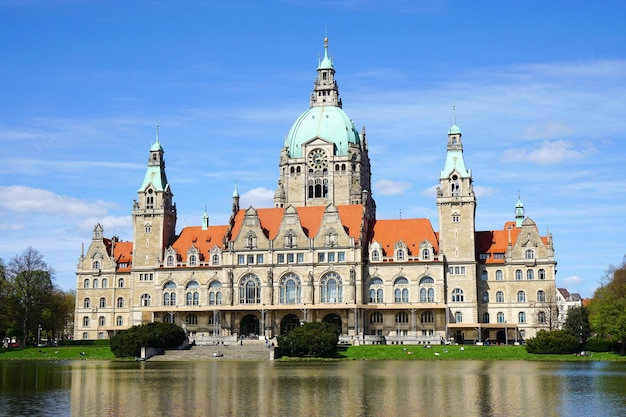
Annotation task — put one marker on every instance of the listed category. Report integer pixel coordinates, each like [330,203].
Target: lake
[343,388]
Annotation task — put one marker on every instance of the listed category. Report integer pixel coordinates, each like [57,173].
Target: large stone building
[320,254]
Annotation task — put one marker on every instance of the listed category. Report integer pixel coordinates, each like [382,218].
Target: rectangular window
[341,257]
[331,256]
[321,257]
[241,259]
[281,258]
[250,259]
[290,258]
[259,259]
[300,258]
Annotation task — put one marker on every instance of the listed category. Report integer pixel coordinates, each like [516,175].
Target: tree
[547,312]
[31,281]
[312,339]
[577,323]
[608,307]
[6,320]
[129,342]
[58,316]
[555,341]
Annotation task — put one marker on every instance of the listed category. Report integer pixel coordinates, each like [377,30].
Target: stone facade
[320,254]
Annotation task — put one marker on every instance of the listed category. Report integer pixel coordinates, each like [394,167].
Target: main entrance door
[249,326]
[335,320]
[288,323]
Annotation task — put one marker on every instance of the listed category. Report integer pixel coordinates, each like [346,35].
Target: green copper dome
[327,122]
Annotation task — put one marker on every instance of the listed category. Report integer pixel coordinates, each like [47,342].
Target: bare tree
[547,312]
[31,281]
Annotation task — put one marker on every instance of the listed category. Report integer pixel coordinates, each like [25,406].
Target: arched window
[192,296]
[215,259]
[215,293]
[170,260]
[484,297]
[457,295]
[120,283]
[103,302]
[250,289]
[105,283]
[376,317]
[500,297]
[499,276]
[96,265]
[541,317]
[485,317]
[120,302]
[521,317]
[500,317]
[427,317]
[120,321]
[85,321]
[521,296]
[518,274]
[95,283]
[331,289]
[484,275]
[529,254]
[86,283]
[426,281]
[87,303]
[402,317]
[375,255]
[101,321]
[425,254]
[376,290]
[458,317]
[192,260]
[530,274]
[541,296]
[400,254]
[169,294]
[145,300]
[290,289]
[401,290]
[542,274]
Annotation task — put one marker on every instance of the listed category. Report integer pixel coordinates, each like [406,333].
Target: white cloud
[482,191]
[25,200]
[573,280]
[389,187]
[551,152]
[257,197]
[547,130]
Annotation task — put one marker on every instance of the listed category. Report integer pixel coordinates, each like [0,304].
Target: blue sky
[539,89]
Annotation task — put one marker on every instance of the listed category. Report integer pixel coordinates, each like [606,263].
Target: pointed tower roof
[326,62]
[155,173]
[454,155]
[519,212]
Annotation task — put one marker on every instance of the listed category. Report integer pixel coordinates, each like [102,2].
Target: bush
[157,335]
[555,341]
[600,344]
[312,339]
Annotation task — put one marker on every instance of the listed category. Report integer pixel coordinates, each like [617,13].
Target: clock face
[318,159]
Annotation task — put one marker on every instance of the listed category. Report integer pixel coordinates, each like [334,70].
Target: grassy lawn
[58,353]
[466,352]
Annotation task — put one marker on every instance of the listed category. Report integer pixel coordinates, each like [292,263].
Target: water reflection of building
[320,254]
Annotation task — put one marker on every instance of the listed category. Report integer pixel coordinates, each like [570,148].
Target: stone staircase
[249,350]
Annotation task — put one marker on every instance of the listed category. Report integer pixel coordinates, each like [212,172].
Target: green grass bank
[58,353]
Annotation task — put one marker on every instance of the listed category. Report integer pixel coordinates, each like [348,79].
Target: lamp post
[506,334]
[39,336]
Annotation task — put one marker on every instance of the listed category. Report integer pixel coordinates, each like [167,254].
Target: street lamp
[39,336]
[506,334]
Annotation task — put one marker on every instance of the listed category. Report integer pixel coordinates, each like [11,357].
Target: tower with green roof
[154,213]
[324,159]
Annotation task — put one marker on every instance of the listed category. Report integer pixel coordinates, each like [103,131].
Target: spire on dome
[205,220]
[325,89]
[156,146]
[454,128]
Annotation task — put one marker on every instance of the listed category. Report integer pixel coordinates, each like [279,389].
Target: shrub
[129,342]
[555,341]
[312,339]
[600,344]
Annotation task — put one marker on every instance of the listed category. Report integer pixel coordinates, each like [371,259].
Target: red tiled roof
[411,231]
[123,252]
[310,219]
[203,240]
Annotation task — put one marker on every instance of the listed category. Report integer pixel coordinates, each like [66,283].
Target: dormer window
[192,260]
[425,254]
[375,255]
[96,265]
[530,254]
[400,254]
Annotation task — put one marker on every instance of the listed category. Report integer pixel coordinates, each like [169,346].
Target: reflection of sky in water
[348,388]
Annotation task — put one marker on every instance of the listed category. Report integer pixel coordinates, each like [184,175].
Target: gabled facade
[320,254]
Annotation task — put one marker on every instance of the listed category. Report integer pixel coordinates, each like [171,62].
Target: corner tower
[456,203]
[154,213]
[324,159]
